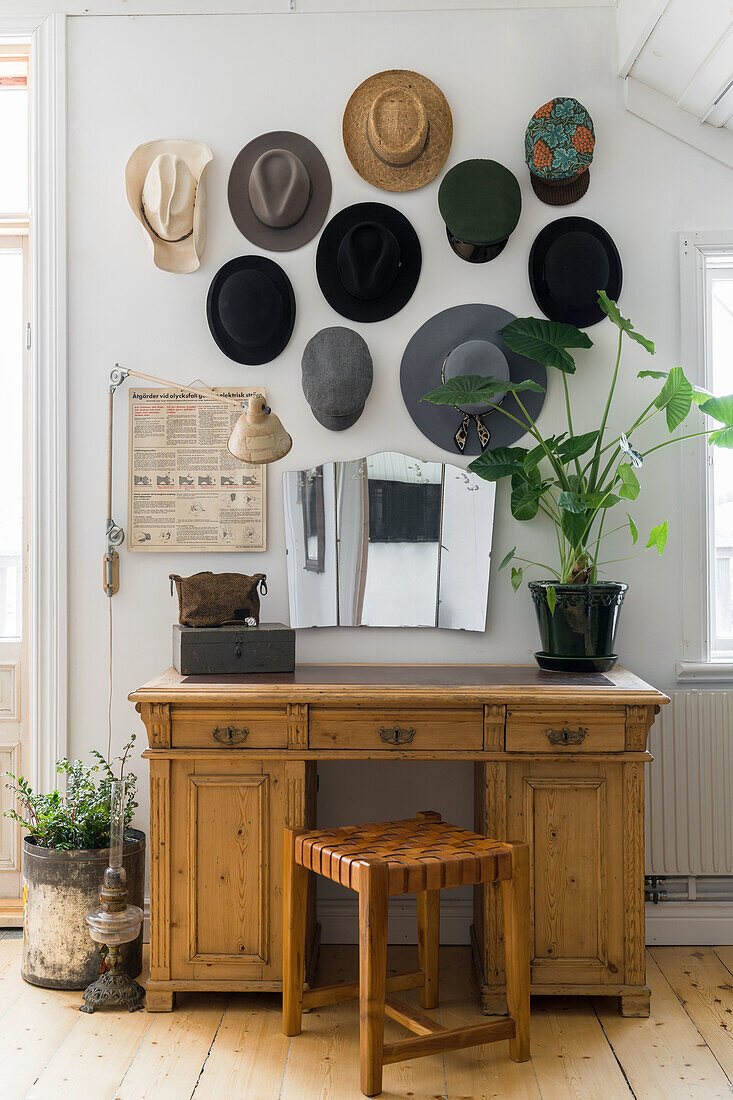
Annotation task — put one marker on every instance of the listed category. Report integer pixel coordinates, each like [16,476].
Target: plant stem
[570,423]
[597,456]
[677,439]
[553,461]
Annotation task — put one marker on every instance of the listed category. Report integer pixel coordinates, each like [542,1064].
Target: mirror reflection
[388,540]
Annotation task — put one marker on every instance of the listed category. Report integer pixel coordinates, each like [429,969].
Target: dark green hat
[480,203]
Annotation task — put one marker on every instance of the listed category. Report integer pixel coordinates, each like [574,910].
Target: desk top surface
[390,683]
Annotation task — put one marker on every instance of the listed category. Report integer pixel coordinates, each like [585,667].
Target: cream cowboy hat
[166,192]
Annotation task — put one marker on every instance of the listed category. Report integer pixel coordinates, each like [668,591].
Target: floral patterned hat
[558,148]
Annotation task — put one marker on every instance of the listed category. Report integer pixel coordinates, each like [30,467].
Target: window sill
[690,672]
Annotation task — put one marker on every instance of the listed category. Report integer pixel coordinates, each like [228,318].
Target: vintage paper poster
[186,492]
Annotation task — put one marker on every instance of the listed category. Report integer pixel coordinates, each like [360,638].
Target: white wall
[225,79]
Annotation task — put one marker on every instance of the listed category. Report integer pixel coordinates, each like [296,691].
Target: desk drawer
[565,729]
[431,730]
[211,728]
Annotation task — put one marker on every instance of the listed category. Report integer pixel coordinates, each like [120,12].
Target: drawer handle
[566,736]
[230,735]
[396,735]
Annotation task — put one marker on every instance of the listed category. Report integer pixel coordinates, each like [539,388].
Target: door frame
[47,587]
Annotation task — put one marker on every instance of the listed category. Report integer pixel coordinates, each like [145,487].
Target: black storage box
[202,650]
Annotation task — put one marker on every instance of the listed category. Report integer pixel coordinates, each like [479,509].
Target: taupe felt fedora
[398,130]
[279,191]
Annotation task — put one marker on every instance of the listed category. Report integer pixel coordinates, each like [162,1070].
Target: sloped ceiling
[677,59]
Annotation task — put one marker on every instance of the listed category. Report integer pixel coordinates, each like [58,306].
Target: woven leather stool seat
[421,855]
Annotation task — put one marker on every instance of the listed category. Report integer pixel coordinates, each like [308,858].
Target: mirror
[388,540]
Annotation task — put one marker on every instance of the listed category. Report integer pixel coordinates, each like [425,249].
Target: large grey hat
[279,191]
[467,340]
[337,376]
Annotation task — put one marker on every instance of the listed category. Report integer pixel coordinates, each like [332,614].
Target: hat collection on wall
[397,132]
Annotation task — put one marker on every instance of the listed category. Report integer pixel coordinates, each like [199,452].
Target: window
[720,376]
[14,229]
[706,271]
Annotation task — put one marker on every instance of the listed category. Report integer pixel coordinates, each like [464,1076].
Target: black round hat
[250,308]
[570,261]
[368,261]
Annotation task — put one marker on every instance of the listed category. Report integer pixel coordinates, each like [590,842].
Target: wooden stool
[422,855]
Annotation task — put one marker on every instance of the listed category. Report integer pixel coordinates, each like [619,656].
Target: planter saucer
[550,663]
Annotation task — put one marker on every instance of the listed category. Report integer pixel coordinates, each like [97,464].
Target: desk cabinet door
[226,867]
[571,816]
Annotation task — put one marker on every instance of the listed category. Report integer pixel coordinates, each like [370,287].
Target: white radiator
[689,803]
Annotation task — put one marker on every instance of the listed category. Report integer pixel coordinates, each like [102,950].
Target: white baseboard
[684,923]
[339,920]
[687,923]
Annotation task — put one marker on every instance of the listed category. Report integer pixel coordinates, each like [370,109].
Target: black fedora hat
[368,261]
[570,261]
[250,308]
[464,340]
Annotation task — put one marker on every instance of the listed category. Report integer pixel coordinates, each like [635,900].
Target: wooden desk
[558,762]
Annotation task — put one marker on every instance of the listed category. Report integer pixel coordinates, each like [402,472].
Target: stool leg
[295,900]
[373,902]
[515,893]
[428,942]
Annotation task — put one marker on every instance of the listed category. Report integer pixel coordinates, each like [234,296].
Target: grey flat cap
[337,376]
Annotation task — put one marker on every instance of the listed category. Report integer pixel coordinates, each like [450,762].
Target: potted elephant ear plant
[582,482]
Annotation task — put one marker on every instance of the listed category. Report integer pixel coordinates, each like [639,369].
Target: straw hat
[398,130]
[165,189]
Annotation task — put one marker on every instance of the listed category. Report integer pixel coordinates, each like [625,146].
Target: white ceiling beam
[711,78]
[635,21]
[662,111]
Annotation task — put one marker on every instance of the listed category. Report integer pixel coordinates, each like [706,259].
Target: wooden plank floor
[219,1047]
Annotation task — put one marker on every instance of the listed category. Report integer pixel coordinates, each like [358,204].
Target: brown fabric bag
[213,599]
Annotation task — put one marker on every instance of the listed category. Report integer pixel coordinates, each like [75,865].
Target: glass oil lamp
[114,923]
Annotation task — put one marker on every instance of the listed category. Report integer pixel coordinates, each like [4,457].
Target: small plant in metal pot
[65,854]
[582,482]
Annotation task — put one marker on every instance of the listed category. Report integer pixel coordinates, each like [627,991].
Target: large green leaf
[579,503]
[633,528]
[658,537]
[501,462]
[525,499]
[573,526]
[545,341]
[675,398]
[472,389]
[575,446]
[630,486]
[720,408]
[699,394]
[536,454]
[721,437]
[612,311]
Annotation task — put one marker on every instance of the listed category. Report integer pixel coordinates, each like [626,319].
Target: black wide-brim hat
[250,308]
[569,262]
[368,261]
[467,327]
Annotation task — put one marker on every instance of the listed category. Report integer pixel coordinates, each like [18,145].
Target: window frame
[698,540]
